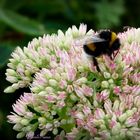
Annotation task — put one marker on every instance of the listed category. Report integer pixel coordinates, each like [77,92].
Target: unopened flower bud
[12,79]
[106,75]
[53,64]
[55,131]
[9,89]
[42,93]
[116,129]
[49,89]
[20,135]
[123,117]
[17,127]
[110,81]
[129,113]
[42,120]
[82,80]
[63,121]
[104,84]
[115,76]
[73,97]
[116,105]
[49,126]
[103,127]
[129,133]
[81,68]
[24,121]
[27,72]
[53,82]
[11,72]
[43,132]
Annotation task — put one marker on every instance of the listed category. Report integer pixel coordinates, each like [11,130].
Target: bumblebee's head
[105,34]
[111,37]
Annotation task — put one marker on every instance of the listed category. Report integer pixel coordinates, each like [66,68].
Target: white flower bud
[104,84]
[11,72]
[49,126]
[15,86]
[55,131]
[42,93]
[53,64]
[16,56]
[49,89]
[30,135]
[123,117]
[29,128]
[42,120]
[12,79]
[35,89]
[103,127]
[129,113]
[9,89]
[64,75]
[116,129]
[24,121]
[17,126]
[81,68]
[60,33]
[63,121]
[80,115]
[116,105]
[110,81]
[129,133]
[53,82]
[20,135]
[58,77]
[43,132]
[82,80]
[106,75]
[73,97]
[115,76]
[27,72]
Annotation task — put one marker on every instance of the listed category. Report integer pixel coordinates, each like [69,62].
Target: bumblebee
[104,43]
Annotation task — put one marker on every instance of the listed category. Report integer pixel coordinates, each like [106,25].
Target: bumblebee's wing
[94,39]
[88,39]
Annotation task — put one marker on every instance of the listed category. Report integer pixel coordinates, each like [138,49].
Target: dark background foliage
[22,20]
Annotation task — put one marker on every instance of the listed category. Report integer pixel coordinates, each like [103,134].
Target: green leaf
[21,23]
[83,135]
[63,113]
[68,127]
[5,52]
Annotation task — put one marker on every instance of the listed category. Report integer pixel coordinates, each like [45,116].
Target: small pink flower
[87,90]
[112,123]
[71,72]
[80,122]
[86,110]
[117,90]
[61,95]
[99,113]
[62,83]
[61,104]
[50,98]
[108,106]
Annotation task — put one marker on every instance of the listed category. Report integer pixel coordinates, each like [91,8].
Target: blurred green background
[22,20]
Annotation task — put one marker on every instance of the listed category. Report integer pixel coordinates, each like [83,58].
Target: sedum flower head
[69,97]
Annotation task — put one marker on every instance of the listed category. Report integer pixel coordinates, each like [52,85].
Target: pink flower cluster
[68,96]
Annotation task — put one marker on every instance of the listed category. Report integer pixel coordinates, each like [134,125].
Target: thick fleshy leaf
[21,23]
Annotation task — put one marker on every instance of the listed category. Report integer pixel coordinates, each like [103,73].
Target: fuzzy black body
[107,46]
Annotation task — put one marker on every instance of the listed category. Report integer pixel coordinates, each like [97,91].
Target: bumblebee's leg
[114,54]
[109,53]
[96,64]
